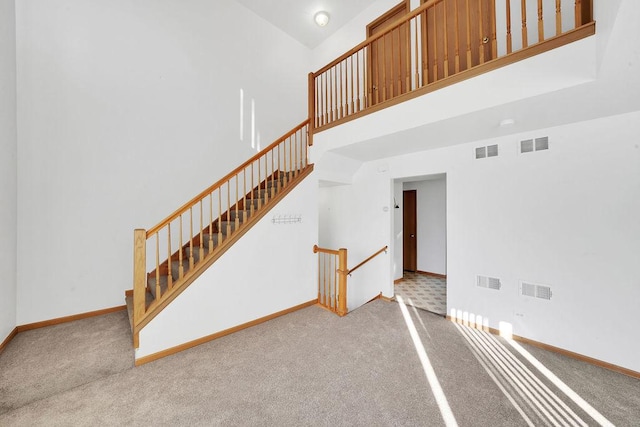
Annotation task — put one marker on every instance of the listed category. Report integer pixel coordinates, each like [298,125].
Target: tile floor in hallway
[422,291]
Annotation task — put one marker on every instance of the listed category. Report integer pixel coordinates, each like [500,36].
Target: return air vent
[542,143]
[526,146]
[535,291]
[488,151]
[489,283]
[531,145]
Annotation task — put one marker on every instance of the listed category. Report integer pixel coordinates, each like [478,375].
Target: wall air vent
[528,289]
[488,151]
[531,145]
[526,146]
[542,143]
[489,283]
[535,291]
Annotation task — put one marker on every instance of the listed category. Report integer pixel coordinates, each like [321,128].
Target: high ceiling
[295,17]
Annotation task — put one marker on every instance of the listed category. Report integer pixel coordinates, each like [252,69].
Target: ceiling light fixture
[321,18]
[507,122]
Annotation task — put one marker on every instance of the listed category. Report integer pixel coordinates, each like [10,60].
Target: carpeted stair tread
[151,284]
[226,225]
[256,201]
[129,301]
[196,251]
[240,214]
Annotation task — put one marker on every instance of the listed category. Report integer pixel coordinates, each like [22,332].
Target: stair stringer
[267,271]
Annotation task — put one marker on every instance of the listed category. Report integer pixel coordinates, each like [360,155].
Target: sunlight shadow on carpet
[531,397]
[436,388]
[593,413]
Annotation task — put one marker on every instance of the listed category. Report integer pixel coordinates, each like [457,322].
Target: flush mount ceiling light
[321,18]
[507,122]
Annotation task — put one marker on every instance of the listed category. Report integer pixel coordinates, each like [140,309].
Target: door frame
[406,5]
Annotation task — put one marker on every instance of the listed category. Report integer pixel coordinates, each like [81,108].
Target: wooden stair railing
[332,277]
[442,42]
[171,255]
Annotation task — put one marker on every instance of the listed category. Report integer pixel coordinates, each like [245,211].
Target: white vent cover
[531,145]
[488,151]
[528,289]
[542,143]
[489,282]
[526,146]
[535,291]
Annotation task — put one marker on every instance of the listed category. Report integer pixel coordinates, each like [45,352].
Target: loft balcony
[445,60]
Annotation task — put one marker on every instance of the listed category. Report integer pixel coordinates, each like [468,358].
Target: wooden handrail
[384,249]
[222,181]
[317,249]
[393,25]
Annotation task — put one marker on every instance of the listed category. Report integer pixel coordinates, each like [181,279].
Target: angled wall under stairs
[270,269]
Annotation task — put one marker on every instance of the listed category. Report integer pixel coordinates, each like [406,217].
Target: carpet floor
[385,364]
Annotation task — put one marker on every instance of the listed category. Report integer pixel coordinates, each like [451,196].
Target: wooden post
[578,13]
[343,271]
[509,39]
[139,273]
[312,108]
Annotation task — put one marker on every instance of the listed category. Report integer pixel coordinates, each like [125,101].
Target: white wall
[126,110]
[272,268]
[566,217]
[357,217]
[8,171]
[397,233]
[353,33]
[431,230]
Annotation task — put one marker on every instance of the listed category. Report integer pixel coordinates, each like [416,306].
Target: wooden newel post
[312,108]
[343,272]
[139,273]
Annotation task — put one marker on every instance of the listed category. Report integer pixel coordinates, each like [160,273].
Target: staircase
[211,239]
[220,216]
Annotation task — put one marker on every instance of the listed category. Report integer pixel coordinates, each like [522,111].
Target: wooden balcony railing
[332,277]
[440,43]
[170,255]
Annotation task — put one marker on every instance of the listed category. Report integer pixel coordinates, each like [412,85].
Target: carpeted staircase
[249,209]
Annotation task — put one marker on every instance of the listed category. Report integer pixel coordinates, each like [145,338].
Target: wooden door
[457,35]
[388,66]
[409,228]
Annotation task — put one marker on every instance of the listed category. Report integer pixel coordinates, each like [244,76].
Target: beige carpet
[382,365]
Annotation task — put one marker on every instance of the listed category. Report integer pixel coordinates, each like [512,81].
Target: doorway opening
[420,231]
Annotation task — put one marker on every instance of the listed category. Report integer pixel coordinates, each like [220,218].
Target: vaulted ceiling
[295,17]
